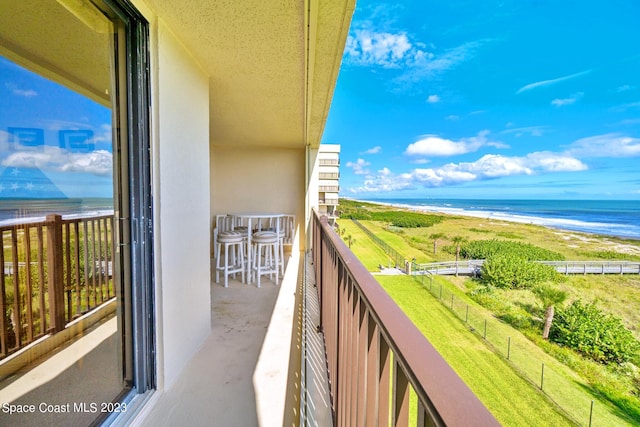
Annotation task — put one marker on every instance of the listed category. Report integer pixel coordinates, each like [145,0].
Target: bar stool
[267,240]
[278,224]
[233,243]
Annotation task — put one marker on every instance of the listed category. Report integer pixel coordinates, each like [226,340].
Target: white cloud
[490,166]
[395,50]
[99,162]
[607,145]
[27,93]
[424,65]
[366,47]
[625,88]
[452,117]
[374,150]
[561,102]
[359,166]
[552,162]
[432,145]
[544,83]
[433,99]
[527,130]
[624,107]
[420,161]
[384,181]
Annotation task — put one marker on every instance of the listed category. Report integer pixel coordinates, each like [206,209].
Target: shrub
[597,335]
[514,272]
[509,235]
[406,219]
[479,230]
[484,249]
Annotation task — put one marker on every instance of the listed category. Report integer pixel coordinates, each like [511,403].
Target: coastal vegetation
[528,302]
[484,249]
[595,334]
[512,271]
[402,219]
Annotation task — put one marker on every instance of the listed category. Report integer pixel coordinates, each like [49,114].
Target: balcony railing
[52,272]
[329,162]
[328,189]
[376,355]
[332,202]
[328,175]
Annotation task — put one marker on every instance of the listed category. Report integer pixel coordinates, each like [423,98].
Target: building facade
[328,180]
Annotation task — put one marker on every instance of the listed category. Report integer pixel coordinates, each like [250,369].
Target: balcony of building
[329,162]
[329,188]
[324,345]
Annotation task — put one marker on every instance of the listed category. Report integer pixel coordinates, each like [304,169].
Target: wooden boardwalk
[473,267]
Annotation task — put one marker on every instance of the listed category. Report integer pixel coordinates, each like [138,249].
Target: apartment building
[328,180]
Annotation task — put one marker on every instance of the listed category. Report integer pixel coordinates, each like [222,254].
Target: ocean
[620,218]
[14,210]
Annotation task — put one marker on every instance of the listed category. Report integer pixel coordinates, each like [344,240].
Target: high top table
[257,218]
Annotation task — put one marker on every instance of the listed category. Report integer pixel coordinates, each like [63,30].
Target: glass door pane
[62,304]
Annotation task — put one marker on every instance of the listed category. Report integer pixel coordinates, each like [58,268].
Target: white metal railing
[566,267]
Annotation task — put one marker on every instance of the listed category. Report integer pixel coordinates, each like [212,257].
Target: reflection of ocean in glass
[22,210]
[608,217]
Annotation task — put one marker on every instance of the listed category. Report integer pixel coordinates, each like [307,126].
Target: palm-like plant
[436,237]
[550,297]
[458,241]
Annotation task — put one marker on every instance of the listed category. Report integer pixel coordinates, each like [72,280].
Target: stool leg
[257,258]
[226,265]
[277,248]
[218,263]
[241,249]
[281,243]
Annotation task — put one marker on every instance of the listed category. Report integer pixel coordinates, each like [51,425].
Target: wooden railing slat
[44,261]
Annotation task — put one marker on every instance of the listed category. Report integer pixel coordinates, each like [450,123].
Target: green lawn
[369,254]
[512,399]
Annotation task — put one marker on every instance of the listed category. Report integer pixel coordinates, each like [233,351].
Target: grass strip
[512,399]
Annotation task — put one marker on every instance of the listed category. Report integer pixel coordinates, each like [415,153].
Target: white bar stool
[267,240]
[233,243]
[278,224]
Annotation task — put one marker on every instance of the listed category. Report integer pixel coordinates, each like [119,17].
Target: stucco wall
[257,180]
[181,201]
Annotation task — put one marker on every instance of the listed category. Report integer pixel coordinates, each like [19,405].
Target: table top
[259,215]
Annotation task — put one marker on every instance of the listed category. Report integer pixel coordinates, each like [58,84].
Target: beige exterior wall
[258,180]
[328,200]
[180,157]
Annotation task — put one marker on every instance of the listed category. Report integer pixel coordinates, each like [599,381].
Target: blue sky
[53,142]
[490,99]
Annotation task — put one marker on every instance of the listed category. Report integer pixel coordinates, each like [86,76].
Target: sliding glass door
[76,340]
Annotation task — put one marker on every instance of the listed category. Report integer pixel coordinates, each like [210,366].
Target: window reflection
[60,339]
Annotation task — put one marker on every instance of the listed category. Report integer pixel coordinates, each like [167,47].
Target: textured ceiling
[44,37]
[272,64]
[271,75]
